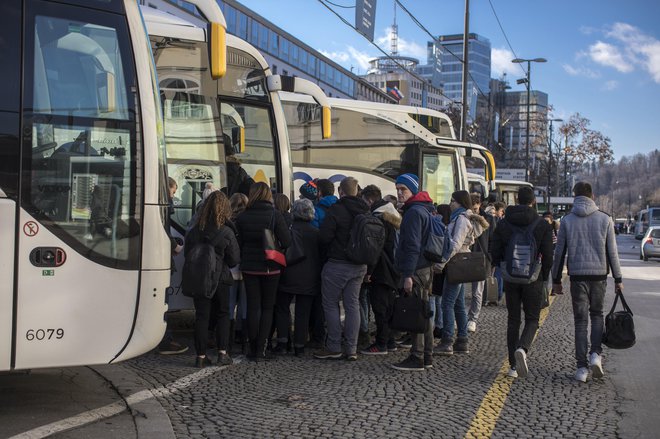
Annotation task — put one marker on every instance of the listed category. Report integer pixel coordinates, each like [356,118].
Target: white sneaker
[582,374]
[521,362]
[596,365]
[472,326]
[512,373]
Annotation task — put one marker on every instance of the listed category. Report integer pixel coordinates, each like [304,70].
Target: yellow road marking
[489,411]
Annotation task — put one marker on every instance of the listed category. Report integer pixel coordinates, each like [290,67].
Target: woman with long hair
[237,297]
[213,227]
[261,276]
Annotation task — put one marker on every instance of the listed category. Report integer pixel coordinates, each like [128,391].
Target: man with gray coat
[587,237]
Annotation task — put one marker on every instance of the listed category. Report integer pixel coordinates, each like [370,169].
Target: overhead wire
[413,74]
[505,36]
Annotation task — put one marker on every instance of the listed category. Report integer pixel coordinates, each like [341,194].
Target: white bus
[377,142]
[507,190]
[646,218]
[86,258]
[230,132]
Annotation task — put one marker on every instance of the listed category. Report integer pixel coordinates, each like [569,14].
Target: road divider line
[118,407]
[488,413]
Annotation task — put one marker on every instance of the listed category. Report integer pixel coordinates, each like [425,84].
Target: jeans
[261,291]
[219,303]
[531,298]
[237,301]
[341,282]
[453,309]
[435,303]
[382,301]
[423,343]
[587,297]
[317,320]
[476,300]
[500,283]
[302,312]
[364,308]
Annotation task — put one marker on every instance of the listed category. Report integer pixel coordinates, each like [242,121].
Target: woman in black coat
[213,226]
[261,276]
[301,280]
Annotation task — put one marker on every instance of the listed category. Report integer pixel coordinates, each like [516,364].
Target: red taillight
[649,241]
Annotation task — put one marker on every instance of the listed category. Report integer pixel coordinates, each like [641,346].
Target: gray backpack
[522,261]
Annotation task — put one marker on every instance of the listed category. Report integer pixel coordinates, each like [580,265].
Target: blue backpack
[522,261]
[437,241]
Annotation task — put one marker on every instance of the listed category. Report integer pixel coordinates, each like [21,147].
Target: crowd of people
[251,304]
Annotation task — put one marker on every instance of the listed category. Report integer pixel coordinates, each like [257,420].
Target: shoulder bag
[271,246]
[466,267]
[619,326]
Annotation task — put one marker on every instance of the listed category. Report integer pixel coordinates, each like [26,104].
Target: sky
[603,55]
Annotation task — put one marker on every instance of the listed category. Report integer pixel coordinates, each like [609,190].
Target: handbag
[295,253]
[619,326]
[271,248]
[410,314]
[467,267]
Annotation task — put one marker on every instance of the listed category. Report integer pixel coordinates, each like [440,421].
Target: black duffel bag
[619,326]
[410,314]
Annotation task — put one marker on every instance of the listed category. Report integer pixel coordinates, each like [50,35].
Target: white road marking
[115,408]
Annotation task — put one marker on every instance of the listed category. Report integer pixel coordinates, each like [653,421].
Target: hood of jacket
[584,206]
[328,201]
[354,205]
[387,212]
[520,215]
[479,223]
[420,197]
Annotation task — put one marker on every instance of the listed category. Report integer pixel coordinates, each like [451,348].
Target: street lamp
[526,81]
[549,192]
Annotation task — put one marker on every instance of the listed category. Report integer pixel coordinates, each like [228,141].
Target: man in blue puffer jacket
[326,199]
[586,236]
[411,263]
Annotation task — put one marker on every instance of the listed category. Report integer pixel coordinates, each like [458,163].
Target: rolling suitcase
[491,289]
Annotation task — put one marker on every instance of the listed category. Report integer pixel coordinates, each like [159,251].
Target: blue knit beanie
[309,190]
[410,181]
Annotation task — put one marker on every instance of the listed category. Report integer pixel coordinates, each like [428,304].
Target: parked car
[650,247]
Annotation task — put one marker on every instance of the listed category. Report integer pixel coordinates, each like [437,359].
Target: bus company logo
[30,228]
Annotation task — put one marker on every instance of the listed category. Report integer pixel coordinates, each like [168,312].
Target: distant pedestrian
[237,296]
[261,276]
[464,228]
[415,269]
[435,300]
[326,190]
[586,236]
[283,205]
[212,227]
[341,278]
[519,219]
[481,245]
[309,191]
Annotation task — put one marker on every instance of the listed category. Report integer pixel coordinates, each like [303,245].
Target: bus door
[80,214]
[439,174]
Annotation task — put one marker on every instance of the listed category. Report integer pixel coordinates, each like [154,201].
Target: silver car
[650,247]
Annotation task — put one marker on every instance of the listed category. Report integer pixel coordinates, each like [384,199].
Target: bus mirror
[326,123]
[218,50]
[105,84]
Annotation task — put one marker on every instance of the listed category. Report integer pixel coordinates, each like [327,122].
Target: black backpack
[200,275]
[366,240]
[522,262]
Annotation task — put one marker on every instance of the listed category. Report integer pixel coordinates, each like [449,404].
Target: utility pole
[466,36]
[549,191]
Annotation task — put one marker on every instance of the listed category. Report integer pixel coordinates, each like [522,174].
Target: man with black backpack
[522,247]
[342,275]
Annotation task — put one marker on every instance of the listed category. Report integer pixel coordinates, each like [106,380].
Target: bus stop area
[461,396]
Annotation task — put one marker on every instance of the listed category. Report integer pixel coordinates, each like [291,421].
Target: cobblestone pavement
[463,395]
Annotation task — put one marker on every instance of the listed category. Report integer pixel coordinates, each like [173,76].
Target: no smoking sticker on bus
[30,228]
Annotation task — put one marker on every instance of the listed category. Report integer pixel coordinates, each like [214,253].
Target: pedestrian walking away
[508,244]
[587,243]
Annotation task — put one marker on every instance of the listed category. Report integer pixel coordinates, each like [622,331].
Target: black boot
[230,348]
[299,352]
[461,345]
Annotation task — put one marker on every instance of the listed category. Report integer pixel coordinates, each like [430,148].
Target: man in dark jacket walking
[415,269]
[529,295]
[383,278]
[586,237]
[341,278]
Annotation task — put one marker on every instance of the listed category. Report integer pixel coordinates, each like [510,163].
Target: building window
[242,26]
[284,49]
[254,35]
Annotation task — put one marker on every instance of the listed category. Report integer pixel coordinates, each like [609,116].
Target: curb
[151,419]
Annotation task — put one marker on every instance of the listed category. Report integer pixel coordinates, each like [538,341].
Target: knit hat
[411,181]
[308,190]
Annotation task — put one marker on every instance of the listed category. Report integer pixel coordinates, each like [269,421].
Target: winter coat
[336,227]
[321,208]
[464,230]
[305,276]
[384,272]
[586,236]
[522,216]
[225,244]
[415,228]
[250,225]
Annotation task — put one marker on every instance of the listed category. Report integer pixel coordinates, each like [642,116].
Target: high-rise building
[450,50]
